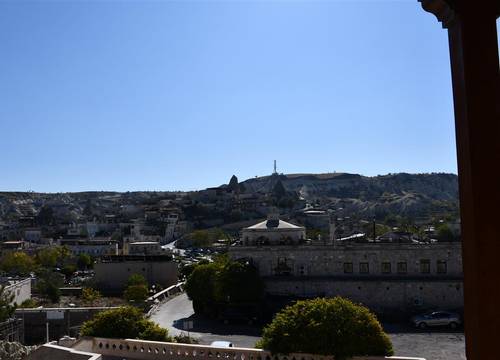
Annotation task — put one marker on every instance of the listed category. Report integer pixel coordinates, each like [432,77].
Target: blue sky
[181,95]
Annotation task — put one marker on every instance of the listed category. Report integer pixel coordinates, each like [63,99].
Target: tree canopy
[137,289]
[333,326]
[124,323]
[6,306]
[222,284]
[17,263]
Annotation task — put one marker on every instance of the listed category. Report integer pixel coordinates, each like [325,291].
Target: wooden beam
[476,91]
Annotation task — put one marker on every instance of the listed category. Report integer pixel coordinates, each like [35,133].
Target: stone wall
[367,273]
[112,277]
[61,321]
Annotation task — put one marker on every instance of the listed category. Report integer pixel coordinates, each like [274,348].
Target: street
[435,345]
[172,314]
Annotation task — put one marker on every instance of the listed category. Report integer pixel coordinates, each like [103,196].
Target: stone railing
[166,293]
[153,350]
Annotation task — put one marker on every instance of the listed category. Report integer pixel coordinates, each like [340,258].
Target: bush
[123,323]
[328,327]
[185,339]
[6,309]
[137,279]
[136,293]
[90,295]
[29,303]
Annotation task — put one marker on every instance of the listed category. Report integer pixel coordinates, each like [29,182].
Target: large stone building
[386,276]
[113,272]
[273,231]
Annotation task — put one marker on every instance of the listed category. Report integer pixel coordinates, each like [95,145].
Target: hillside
[411,195]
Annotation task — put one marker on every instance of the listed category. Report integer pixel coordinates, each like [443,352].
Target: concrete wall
[113,276]
[21,289]
[62,321]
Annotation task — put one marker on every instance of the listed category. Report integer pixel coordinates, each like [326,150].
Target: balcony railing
[153,350]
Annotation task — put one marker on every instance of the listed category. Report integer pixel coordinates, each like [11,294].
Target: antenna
[275,172]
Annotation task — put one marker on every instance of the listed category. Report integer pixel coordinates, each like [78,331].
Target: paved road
[439,345]
[172,314]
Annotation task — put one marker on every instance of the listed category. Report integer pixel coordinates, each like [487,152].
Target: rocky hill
[411,195]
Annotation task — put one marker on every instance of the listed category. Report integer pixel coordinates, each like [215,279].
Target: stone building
[94,247]
[273,231]
[386,276]
[113,272]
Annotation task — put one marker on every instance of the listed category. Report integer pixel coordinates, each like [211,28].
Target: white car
[222,344]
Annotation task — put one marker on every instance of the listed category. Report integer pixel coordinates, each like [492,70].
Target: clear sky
[181,95]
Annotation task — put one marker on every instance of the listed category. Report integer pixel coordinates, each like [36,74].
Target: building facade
[113,272]
[385,276]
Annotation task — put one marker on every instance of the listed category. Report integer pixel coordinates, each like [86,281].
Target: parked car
[222,344]
[437,318]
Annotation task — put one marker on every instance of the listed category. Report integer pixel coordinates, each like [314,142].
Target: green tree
[45,216]
[6,306]
[90,295]
[17,263]
[123,323]
[200,287]
[84,261]
[50,257]
[238,282]
[136,293]
[334,326]
[444,233]
[48,285]
[68,270]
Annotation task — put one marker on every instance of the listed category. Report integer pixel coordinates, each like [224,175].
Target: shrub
[123,323]
[328,327]
[185,339]
[137,279]
[136,293]
[29,303]
[90,295]
[6,309]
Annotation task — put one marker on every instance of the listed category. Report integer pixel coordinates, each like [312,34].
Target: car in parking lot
[437,318]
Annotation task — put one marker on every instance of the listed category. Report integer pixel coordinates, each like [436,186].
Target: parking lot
[437,344]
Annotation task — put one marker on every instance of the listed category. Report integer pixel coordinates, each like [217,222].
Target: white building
[20,288]
[273,231]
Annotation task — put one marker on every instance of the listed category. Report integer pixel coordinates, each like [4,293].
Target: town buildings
[390,275]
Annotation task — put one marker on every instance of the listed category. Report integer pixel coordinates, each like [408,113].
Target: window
[402,268]
[386,268]
[348,268]
[364,268]
[283,267]
[442,267]
[425,266]
[302,270]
